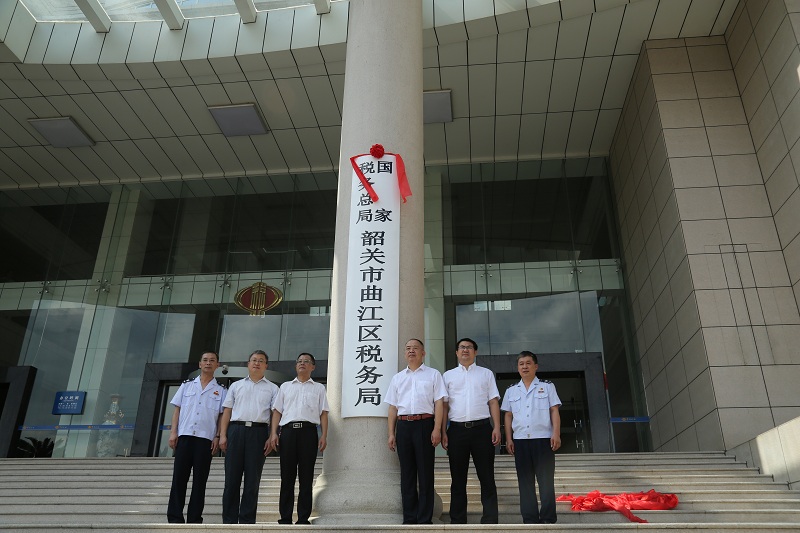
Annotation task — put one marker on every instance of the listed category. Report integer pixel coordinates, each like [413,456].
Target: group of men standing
[244,423]
[422,402]
[460,410]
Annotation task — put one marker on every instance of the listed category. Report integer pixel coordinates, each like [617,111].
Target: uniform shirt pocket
[515,403]
[213,401]
[541,400]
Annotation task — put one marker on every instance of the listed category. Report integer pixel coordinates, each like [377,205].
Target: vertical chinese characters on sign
[373,285]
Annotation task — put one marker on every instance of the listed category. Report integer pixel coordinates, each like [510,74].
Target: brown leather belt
[411,418]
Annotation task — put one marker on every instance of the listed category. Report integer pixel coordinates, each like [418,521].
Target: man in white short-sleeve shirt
[244,437]
[194,437]
[300,407]
[416,396]
[473,409]
[533,434]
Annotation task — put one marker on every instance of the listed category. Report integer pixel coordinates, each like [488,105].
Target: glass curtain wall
[149,276]
[99,282]
[530,263]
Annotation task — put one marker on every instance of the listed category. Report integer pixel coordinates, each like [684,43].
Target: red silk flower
[377,151]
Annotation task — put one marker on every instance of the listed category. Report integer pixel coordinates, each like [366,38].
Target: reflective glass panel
[50,242]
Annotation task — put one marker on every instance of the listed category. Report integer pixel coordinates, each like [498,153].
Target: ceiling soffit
[529,80]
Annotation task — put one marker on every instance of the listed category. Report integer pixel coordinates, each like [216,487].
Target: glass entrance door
[574,411]
[580,383]
[166,410]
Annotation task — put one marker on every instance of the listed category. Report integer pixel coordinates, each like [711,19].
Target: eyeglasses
[462,348]
[305,362]
[258,361]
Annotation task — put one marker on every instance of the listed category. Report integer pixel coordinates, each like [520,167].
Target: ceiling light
[62,132]
[436,107]
[238,119]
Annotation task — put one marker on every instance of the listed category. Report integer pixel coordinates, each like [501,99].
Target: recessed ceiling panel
[61,132]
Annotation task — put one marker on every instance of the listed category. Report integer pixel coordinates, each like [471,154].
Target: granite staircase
[717,494]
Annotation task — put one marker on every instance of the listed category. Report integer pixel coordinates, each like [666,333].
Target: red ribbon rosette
[377,151]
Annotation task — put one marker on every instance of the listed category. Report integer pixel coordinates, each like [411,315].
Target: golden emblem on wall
[258,298]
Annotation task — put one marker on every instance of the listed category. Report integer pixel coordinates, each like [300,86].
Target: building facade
[608,183]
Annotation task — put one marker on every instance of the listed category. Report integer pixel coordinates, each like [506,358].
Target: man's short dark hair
[215,354]
[313,360]
[259,352]
[467,339]
[526,353]
[419,341]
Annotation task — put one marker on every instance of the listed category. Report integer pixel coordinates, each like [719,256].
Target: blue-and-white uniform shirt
[530,408]
[200,408]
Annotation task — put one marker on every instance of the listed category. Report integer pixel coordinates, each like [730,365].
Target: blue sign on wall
[69,402]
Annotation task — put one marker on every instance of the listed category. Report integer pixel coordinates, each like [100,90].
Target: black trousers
[463,442]
[245,457]
[416,456]
[298,448]
[534,457]
[191,453]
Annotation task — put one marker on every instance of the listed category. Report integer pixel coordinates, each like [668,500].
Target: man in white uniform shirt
[473,408]
[244,437]
[416,396]
[194,437]
[532,419]
[300,407]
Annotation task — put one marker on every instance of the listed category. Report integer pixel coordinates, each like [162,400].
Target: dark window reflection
[528,220]
[13,325]
[53,242]
[246,233]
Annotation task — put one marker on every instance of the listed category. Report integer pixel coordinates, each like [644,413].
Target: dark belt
[300,424]
[411,418]
[250,424]
[471,424]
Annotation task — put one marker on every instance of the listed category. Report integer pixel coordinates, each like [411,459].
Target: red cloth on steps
[622,503]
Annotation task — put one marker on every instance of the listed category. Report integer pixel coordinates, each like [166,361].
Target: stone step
[564,461]
[156,503]
[110,514]
[11,496]
[260,528]
[443,487]
[501,476]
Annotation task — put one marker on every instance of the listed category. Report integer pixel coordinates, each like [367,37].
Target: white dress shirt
[301,401]
[530,409]
[251,400]
[414,392]
[200,408]
[469,390]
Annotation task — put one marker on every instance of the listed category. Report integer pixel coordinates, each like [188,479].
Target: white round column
[360,480]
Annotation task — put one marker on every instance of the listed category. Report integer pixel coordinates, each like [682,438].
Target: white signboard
[373,284]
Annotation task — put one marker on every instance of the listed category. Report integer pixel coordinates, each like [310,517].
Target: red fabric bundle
[622,503]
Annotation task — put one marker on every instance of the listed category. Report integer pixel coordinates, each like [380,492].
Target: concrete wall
[706,248]
[775,452]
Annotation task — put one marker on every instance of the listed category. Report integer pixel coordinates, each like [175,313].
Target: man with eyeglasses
[244,437]
[300,407]
[473,408]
